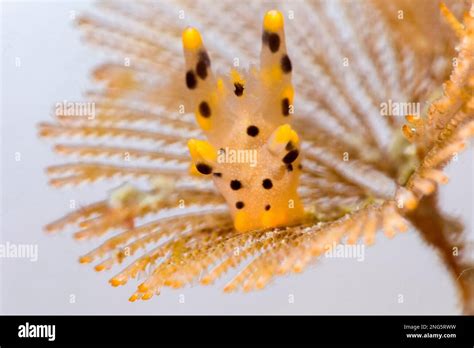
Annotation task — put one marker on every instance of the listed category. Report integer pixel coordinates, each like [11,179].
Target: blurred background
[44,62]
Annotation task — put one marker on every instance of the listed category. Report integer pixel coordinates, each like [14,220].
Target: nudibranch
[247,112]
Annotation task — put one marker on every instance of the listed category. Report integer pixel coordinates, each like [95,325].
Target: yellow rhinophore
[273,20]
[191,39]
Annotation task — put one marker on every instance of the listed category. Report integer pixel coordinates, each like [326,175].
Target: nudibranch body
[252,153]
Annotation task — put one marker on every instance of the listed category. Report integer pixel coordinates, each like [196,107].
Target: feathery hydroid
[360,171]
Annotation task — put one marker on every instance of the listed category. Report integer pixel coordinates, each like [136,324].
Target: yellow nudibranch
[247,115]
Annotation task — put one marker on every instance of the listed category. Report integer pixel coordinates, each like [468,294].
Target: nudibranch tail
[251,152]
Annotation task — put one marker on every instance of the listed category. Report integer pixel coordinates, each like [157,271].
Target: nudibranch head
[251,152]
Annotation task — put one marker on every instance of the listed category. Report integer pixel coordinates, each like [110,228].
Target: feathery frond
[359,173]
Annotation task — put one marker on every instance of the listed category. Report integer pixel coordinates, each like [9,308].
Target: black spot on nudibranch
[286,64]
[203,56]
[291,156]
[203,64]
[267,207]
[289,146]
[191,81]
[204,168]
[267,184]
[239,205]
[235,185]
[289,167]
[201,69]
[285,106]
[204,109]
[252,131]
[217,174]
[239,89]
[273,41]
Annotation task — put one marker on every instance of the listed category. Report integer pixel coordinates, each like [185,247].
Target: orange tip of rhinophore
[191,39]
[273,20]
